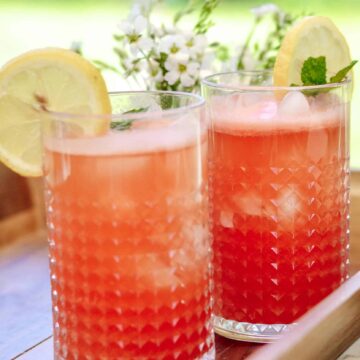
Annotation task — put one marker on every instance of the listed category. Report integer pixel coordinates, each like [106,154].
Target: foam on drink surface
[145,136]
[263,112]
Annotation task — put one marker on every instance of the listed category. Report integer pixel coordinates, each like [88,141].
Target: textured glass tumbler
[127,216]
[279,193]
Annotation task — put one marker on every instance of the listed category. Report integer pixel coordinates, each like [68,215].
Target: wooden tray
[25,311]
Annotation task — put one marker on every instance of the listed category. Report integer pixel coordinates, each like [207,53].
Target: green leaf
[166,101]
[341,74]
[101,65]
[313,71]
[120,53]
[189,8]
[136,110]
[204,22]
[118,37]
[122,125]
[222,53]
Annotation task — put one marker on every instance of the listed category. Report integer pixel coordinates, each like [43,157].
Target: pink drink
[280,182]
[129,244]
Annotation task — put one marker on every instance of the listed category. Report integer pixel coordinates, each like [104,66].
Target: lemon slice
[311,36]
[60,79]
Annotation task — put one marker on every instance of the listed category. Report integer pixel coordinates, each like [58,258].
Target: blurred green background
[26,24]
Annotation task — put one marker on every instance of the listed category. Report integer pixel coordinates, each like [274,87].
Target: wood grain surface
[325,331]
[25,309]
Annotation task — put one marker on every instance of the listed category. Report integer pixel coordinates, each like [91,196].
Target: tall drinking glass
[279,187]
[127,222]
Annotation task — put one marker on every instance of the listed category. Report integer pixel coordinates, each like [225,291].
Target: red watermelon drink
[128,229]
[279,170]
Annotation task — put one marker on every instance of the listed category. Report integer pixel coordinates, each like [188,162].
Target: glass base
[243,331]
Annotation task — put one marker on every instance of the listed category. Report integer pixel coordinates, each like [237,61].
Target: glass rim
[199,101]
[208,81]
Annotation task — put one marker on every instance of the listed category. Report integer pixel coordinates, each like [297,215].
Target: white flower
[154,71]
[166,29]
[172,44]
[196,45]
[135,34]
[145,44]
[265,9]
[133,27]
[142,7]
[180,68]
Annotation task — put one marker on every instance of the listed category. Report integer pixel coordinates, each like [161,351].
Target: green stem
[240,65]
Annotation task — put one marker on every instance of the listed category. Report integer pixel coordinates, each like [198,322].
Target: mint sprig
[136,110]
[341,74]
[122,125]
[314,72]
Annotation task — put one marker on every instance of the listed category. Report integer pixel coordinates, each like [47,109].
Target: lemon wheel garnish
[311,36]
[60,79]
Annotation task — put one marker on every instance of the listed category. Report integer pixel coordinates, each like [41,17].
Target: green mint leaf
[136,110]
[121,125]
[313,71]
[341,74]
[166,101]
[126,124]
[314,92]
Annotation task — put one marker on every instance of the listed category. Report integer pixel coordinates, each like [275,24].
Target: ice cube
[153,271]
[253,98]
[226,219]
[267,110]
[289,202]
[249,99]
[294,102]
[195,235]
[249,203]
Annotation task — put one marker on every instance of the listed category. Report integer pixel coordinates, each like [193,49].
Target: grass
[26,25]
